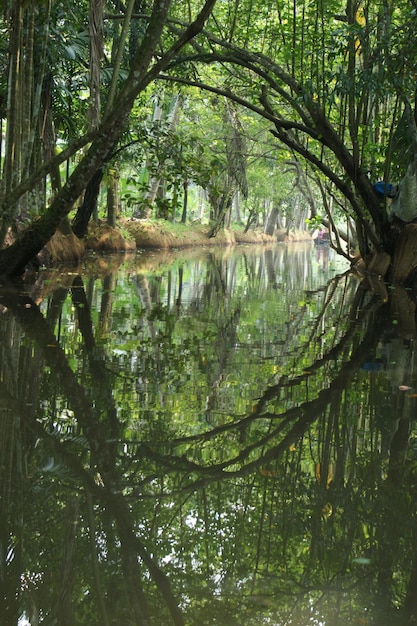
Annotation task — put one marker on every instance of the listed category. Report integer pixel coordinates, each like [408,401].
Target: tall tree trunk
[185,202]
[156,184]
[112,198]
[27,63]
[89,204]
[118,55]
[271,221]
[200,207]
[225,206]
[95,27]
[11,167]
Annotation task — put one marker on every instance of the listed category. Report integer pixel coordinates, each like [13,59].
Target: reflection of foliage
[221,435]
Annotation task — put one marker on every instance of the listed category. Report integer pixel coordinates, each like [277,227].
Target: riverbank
[134,234]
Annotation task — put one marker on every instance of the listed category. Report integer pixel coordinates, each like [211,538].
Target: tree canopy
[333,82]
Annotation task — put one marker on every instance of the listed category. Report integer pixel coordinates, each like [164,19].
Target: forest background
[229,112]
[274,113]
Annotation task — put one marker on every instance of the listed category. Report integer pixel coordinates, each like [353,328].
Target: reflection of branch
[305,414]
[37,328]
[308,413]
[116,504]
[332,355]
[83,312]
[99,373]
[270,393]
[328,290]
[95,560]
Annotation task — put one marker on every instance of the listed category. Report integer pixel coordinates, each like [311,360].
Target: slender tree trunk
[112,198]
[118,55]
[27,63]
[156,184]
[201,197]
[271,221]
[89,204]
[252,217]
[185,202]
[236,208]
[95,28]
[11,168]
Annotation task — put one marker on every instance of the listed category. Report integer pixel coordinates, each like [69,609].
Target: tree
[331,80]
[146,65]
[229,177]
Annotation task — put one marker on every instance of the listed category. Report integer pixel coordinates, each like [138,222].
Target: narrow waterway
[213,437]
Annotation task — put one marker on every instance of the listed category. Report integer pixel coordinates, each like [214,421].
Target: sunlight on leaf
[362,560]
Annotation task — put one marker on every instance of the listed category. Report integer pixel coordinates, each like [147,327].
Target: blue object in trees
[386,189]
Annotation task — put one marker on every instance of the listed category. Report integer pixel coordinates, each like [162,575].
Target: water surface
[214,437]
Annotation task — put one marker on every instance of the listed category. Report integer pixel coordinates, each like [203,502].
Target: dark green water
[214,438]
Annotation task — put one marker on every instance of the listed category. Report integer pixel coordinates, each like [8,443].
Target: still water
[220,438]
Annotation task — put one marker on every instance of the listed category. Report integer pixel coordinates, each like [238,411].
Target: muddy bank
[163,234]
[137,234]
[132,235]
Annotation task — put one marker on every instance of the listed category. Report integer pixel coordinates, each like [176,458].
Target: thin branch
[7,202]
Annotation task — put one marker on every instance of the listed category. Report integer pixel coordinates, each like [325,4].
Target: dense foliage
[181,119]
[230,440]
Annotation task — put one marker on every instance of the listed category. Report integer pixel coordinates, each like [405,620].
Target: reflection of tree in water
[92,458]
[286,511]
